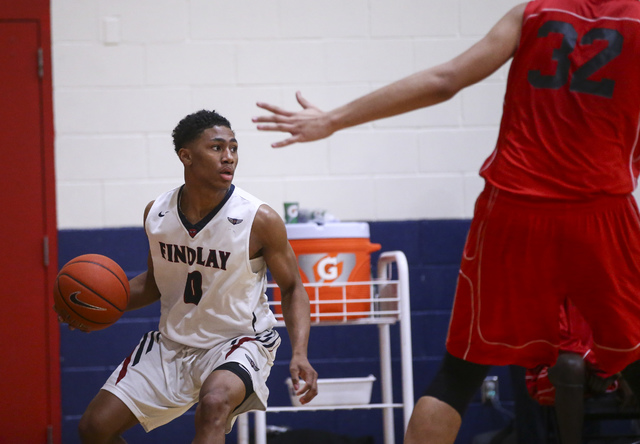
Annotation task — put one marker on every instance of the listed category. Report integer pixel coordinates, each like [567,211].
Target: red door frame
[39,11]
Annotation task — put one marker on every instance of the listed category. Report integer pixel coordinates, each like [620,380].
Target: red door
[29,353]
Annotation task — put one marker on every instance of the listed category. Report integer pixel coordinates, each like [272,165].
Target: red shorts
[524,257]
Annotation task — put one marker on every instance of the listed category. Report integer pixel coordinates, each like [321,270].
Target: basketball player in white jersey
[210,246]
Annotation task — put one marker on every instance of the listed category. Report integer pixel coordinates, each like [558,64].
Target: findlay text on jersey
[188,255]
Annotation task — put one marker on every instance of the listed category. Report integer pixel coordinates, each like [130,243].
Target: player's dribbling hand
[306,125]
[63,320]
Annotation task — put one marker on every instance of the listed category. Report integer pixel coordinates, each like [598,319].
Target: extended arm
[419,90]
[269,238]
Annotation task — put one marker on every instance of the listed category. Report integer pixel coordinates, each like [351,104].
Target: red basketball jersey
[572,107]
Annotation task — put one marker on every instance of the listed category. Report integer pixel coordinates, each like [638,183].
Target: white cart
[389,302]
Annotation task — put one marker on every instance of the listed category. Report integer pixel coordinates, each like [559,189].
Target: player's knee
[570,369]
[214,408]
[456,382]
[93,430]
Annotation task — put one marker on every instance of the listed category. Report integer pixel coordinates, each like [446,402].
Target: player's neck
[196,204]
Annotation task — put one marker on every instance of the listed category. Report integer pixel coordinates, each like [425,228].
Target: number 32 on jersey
[579,81]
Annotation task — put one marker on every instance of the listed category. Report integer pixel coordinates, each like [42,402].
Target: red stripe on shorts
[125,366]
[237,346]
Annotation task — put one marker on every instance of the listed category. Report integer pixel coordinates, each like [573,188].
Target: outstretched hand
[304,379]
[306,125]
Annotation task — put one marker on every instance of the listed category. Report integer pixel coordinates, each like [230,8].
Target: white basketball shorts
[161,379]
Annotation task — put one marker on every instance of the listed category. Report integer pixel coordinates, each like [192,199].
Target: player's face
[213,157]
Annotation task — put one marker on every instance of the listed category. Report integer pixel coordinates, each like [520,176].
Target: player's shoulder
[240,193]
[268,224]
[167,198]
[266,218]
[581,9]
[268,215]
[147,209]
[163,201]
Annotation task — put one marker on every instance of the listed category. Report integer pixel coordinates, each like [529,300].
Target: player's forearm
[295,310]
[416,91]
[143,291]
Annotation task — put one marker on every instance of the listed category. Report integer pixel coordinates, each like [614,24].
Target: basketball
[91,292]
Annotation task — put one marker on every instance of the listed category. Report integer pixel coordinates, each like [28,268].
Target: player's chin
[226,178]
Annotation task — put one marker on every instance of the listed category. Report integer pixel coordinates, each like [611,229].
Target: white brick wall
[125,72]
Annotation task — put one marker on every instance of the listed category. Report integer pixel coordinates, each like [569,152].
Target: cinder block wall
[126,72]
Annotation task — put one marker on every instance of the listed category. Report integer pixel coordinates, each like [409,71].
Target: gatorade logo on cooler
[327,268]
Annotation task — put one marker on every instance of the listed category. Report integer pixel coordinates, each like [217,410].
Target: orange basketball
[91,292]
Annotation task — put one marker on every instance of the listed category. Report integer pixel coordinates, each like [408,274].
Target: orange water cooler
[335,265]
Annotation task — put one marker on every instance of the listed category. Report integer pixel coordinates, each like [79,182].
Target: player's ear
[184,155]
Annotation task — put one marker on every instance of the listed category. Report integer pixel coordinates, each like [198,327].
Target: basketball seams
[92,291]
[114,264]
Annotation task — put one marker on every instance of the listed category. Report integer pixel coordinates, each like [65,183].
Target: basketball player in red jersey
[556,220]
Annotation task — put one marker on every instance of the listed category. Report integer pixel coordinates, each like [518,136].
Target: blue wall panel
[433,250]
[127,246]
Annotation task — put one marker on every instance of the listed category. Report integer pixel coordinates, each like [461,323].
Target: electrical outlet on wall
[490,389]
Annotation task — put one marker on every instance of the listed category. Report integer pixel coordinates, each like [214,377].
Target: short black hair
[190,127]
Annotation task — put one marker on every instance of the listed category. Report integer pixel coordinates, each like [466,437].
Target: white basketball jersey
[210,290]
